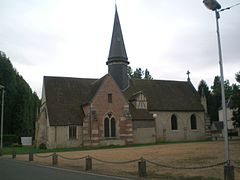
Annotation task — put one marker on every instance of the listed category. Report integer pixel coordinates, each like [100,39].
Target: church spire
[117,50]
[117,58]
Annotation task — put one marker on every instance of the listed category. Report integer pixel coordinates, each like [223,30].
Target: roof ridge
[69,77]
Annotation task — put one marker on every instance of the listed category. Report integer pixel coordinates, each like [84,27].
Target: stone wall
[184,131]
[144,135]
[41,128]
[58,137]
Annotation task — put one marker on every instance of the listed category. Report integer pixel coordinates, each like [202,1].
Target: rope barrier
[67,158]
[115,162]
[47,156]
[175,167]
[135,160]
[236,163]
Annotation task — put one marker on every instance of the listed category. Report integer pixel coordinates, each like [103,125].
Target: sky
[71,38]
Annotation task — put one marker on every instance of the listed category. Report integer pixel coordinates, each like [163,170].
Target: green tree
[138,73]
[211,101]
[203,88]
[214,98]
[236,101]
[21,104]
[147,75]
[237,76]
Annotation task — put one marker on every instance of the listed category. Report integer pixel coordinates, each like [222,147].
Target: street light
[3,91]
[228,170]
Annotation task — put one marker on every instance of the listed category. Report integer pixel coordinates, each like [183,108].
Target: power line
[227,8]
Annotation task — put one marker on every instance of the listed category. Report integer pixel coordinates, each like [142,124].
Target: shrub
[42,146]
[16,145]
[10,139]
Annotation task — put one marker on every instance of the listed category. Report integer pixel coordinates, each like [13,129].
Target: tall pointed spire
[117,49]
[117,58]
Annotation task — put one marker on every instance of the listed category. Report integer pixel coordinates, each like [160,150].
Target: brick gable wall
[93,125]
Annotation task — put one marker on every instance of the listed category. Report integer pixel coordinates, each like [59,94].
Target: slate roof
[166,95]
[117,50]
[140,114]
[64,97]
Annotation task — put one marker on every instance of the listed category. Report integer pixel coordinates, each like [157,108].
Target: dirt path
[180,155]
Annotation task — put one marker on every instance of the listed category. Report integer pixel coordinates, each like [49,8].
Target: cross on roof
[188,73]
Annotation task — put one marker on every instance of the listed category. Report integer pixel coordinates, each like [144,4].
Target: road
[18,170]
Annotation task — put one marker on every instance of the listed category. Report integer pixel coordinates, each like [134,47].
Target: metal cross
[188,72]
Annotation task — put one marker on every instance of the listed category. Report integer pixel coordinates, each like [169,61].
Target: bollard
[88,163]
[13,154]
[142,168]
[54,159]
[30,156]
[228,172]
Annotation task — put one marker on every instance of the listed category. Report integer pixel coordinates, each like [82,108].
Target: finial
[188,72]
[115,4]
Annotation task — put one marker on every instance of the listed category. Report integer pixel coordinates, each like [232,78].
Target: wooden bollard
[228,172]
[13,154]
[142,168]
[54,159]
[88,163]
[30,156]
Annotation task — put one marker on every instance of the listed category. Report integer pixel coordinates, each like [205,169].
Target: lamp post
[3,91]
[228,170]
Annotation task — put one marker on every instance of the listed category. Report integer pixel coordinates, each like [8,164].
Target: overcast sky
[72,38]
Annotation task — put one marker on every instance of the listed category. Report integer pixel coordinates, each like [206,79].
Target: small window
[109,98]
[72,132]
[193,122]
[174,122]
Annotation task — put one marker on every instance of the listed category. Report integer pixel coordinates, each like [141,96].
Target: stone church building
[117,110]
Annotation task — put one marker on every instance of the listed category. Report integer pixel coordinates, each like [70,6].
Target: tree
[211,101]
[203,87]
[147,75]
[214,96]
[236,101]
[237,76]
[138,73]
[21,104]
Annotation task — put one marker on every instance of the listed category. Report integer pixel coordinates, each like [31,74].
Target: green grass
[27,149]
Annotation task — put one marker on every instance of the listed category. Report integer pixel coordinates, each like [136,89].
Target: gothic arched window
[109,126]
[106,127]
[193,122]
[174,123]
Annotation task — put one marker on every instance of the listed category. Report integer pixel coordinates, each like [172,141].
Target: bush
[10,139]
[16,145]
[42,146]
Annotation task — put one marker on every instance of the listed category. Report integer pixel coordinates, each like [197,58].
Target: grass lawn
[27,149]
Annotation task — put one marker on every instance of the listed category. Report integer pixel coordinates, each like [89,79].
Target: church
[118,110]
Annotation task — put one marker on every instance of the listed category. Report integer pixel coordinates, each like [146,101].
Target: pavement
[19,170]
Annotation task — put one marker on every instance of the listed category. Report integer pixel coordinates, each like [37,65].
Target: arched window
[113,127]
[193,122]
[106,127]
[109,126]
[174,122]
